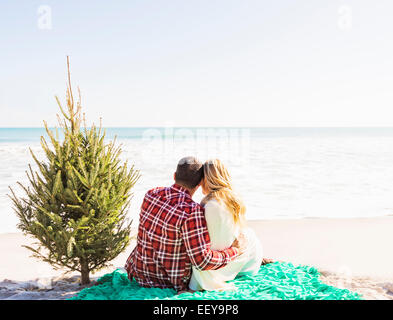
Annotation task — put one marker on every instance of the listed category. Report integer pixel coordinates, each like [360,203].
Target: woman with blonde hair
[225,217]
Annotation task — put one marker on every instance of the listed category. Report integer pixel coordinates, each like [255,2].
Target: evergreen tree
[76,204]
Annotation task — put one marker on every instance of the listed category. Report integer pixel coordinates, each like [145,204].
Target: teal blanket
[273,282]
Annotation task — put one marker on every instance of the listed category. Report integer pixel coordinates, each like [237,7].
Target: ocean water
[281,173]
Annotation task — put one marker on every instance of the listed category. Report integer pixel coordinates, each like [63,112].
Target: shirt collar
[180,188]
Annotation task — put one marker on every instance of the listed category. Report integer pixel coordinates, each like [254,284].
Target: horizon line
[198,127]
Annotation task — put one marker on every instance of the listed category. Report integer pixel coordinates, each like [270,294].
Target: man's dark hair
[189,172]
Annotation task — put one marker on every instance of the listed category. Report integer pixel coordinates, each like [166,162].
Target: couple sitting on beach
[185,245]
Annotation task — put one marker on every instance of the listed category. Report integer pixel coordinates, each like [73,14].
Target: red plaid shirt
[172,236]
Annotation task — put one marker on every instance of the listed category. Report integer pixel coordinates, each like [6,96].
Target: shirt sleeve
[197,241]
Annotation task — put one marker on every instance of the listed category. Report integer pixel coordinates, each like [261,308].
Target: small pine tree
[76,205]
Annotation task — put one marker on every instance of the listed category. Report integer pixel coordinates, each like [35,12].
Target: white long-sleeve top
[223,231]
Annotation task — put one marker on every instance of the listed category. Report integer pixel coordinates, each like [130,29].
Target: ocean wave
[297,177]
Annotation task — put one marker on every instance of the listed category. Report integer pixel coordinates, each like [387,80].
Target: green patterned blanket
[274,281]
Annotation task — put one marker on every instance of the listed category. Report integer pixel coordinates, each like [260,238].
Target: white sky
[201,63]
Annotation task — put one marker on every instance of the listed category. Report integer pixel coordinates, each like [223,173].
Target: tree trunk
[85,278]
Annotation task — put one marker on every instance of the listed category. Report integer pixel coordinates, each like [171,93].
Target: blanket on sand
[274,281]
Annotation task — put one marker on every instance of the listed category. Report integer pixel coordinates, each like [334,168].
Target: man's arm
[197,241]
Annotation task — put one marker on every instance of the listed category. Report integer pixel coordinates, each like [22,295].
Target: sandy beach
[350,253]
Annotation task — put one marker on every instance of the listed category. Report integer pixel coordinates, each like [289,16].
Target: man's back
[172,236]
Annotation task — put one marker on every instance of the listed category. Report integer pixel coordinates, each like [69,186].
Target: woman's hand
[240,243]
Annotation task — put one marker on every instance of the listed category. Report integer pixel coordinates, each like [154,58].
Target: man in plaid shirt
[172,234]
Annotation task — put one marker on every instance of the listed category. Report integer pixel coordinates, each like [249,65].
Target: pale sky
[200,62]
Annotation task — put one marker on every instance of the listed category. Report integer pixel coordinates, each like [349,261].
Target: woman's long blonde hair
[217,182]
